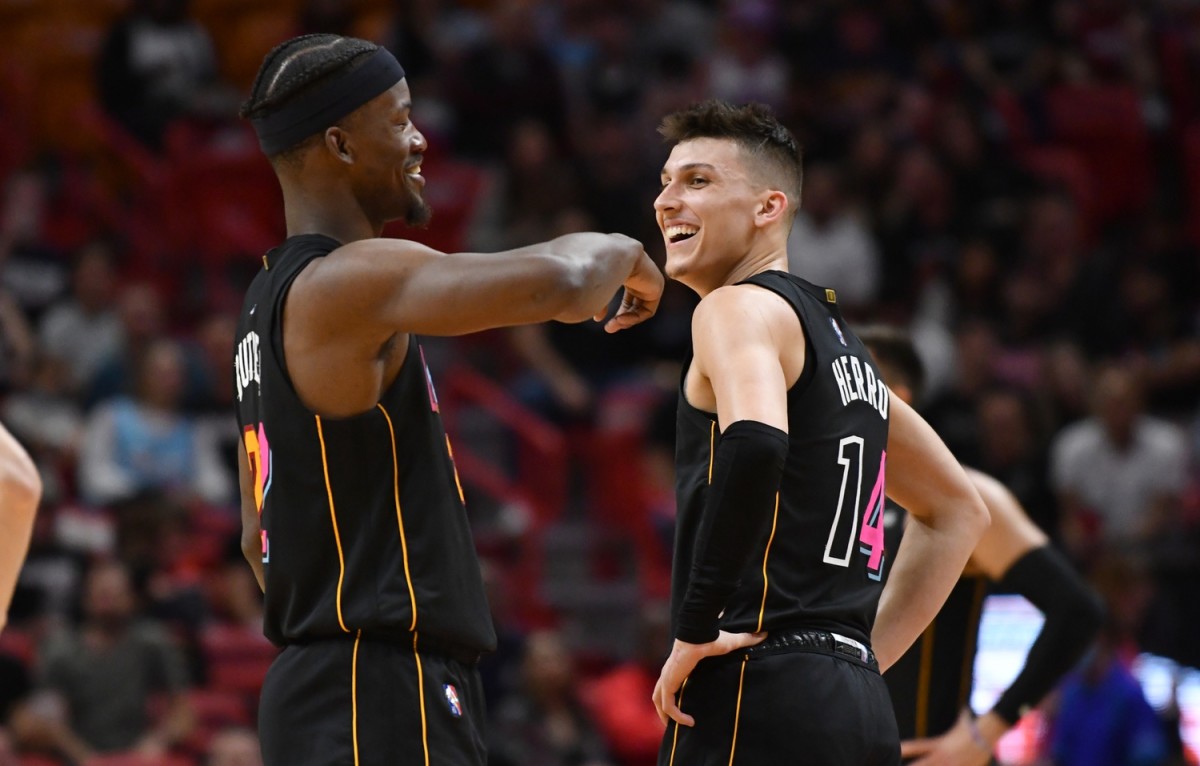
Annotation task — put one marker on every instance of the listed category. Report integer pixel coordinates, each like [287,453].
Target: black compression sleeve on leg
[1073,616]
[747,470]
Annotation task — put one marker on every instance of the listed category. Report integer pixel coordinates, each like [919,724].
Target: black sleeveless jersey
[820,564]
[363,522]
[931,683]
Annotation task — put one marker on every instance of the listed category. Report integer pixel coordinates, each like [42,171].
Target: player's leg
[305,712]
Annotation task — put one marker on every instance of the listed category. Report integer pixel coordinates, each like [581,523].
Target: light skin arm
[251,530]
[737,360]
[176,724]
[946,519]
[533,346]
[1010,536]
[20,493]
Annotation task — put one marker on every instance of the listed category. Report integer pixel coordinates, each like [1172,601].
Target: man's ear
[337,141]
[772,208]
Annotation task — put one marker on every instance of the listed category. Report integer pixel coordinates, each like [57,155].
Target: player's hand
[680,664]
[639,301]
[957,747]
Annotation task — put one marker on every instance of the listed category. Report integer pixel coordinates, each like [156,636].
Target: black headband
[315,110]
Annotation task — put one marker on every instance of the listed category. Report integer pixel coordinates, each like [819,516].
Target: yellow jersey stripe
[675,736]
[712,440]
[337,538]
[767,554]
[421,697]
[737,712]
[964,692]
[412,596]
[354,696]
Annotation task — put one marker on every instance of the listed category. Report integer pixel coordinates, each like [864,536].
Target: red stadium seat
[137,759]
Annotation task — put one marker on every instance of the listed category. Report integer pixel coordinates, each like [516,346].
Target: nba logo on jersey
[452,699]
[838,330]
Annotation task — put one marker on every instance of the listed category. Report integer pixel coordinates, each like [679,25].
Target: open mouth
[413,170]
[679,233]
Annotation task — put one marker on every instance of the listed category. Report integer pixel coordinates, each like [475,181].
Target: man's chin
[419,214]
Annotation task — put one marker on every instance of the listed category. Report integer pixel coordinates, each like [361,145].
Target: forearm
[747,470]
[1073,617]
[175,726]
[928,564]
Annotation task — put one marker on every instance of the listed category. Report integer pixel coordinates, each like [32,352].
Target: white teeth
[681,231]
[415,171]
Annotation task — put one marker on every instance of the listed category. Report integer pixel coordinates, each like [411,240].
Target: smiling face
[387,150]
[712,211]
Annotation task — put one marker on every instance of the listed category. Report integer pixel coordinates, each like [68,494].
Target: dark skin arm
[352,310]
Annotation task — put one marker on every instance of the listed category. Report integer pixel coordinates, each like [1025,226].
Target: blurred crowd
[1017,182]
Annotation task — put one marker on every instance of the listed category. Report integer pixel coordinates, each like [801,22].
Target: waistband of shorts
[420,643]
[818,641]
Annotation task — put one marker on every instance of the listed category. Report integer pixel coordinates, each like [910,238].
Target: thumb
[734,641]
[910,748]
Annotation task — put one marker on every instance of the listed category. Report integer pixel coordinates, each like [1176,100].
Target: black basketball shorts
[348,702]
[783,708]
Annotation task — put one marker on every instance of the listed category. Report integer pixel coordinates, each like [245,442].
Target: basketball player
[20,493]
[930,685]
[784,431]
[353,514]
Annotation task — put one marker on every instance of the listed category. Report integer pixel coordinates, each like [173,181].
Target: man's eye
[698,181]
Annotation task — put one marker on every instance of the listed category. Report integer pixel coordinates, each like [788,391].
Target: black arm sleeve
[747,470]
[1073,616]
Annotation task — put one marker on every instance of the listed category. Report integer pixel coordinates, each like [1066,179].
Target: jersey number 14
[870,535]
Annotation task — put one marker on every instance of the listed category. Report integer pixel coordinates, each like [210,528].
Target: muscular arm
[1015,553]
[251,530]
[20,492]
[946,520]
[382,286]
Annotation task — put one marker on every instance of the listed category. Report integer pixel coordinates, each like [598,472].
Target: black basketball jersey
[820,564]
[363,522]
[931,683]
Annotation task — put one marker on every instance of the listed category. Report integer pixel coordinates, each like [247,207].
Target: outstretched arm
[379,287]
[946,520]
[20,492]
[1015,553]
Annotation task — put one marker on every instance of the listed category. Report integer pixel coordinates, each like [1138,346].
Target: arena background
[1016,181]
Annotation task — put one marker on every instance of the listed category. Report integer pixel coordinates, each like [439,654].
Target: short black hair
[894,348]
[298,64]
[754,128]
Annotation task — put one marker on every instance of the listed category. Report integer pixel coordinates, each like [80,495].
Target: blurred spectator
[1011,449]
[83,330]
[234,747]
[620,699]
[143,442]
[16,344]
[544,722]
[49,422]
[829,245]
[1120,473]
[158,65]
[31,269]
[96,681]
[1102,717]
[8,756]
[746,65]
[507,77]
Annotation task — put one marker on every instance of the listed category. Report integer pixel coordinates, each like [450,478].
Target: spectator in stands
[83,330]
[49,422]
[545,723]
[830,245]
[1119,474]
[96,681]
[145,442]
[158,65]
[234,747]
